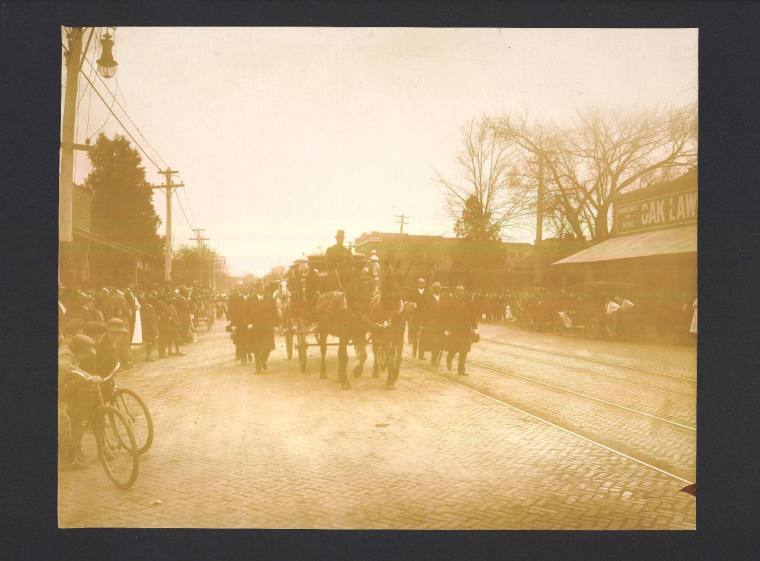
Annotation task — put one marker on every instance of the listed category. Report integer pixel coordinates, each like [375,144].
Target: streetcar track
[593,361]
[597,399]
[604,377]
[555,425]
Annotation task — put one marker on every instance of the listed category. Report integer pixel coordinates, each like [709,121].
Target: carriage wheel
[594,328]
[289,341]
[302,346]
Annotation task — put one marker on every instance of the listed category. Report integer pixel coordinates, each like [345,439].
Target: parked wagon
[584,310]
[204,313]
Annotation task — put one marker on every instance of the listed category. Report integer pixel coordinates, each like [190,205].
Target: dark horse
[344,315]
[388,323]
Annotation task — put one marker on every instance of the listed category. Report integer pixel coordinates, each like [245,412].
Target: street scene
[429,279]
[545,432]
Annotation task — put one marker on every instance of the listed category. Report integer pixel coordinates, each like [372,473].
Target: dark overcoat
[460,318]
[263,315]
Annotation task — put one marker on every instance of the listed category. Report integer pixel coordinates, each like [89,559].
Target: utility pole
[402,219]
[66,186]
[75,56]
[218,261]
[539,220]
[168,187]
[200,239]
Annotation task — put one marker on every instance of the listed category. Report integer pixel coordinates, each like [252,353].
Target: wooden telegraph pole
[74,59]
[402,219]
[168,187]
[201,247]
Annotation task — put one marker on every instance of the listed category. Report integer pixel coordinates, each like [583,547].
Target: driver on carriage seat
[338,259]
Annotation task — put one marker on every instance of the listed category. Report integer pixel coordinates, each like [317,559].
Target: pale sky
[283,135]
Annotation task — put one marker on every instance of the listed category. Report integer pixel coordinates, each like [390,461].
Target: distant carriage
[204,312]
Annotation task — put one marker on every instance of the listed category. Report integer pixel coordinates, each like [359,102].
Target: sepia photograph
[377,278]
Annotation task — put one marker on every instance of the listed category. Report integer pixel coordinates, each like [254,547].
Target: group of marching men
[442,323]
[252,317]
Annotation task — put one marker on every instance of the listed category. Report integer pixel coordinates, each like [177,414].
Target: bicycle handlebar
[87,376]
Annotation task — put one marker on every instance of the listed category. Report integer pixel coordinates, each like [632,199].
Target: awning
[644,244]
[108,243]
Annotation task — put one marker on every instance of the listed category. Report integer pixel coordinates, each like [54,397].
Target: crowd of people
[672,315]
[96,330]
[162,319]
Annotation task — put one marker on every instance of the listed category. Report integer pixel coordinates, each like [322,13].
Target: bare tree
[485,199]
[587,165]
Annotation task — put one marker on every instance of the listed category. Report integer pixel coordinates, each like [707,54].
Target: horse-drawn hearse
[320,305]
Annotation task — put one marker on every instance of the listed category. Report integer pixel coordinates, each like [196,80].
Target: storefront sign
[656,212]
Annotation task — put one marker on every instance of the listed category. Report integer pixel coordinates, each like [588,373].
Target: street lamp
[75,56]
[106,64]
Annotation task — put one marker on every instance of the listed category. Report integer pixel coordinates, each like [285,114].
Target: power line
[124,110]
[123,126]
[189,206]
[183,212]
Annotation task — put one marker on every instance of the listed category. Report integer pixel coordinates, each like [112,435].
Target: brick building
[487,265]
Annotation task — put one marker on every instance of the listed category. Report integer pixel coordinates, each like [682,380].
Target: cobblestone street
[536,437]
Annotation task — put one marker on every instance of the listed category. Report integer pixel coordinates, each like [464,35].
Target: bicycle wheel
[119,461]
[137,415]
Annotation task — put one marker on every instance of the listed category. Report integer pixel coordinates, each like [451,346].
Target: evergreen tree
[122,203]
[476,223]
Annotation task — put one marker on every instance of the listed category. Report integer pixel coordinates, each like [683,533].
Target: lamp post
[75,56]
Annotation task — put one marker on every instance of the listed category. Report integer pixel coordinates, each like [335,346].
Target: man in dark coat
[182,307]
[338,259]
[263,317]
[419,297]
[432,323]
[149,320]
[460,324]
[165,327]
[104,303]
[238,314]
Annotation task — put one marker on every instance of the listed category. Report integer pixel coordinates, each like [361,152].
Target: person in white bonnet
[611,309]
[508,314]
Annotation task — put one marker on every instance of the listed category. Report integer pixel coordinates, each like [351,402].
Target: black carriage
[307,279]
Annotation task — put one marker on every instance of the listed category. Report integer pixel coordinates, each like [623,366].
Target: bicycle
[116,444]
[134,410]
